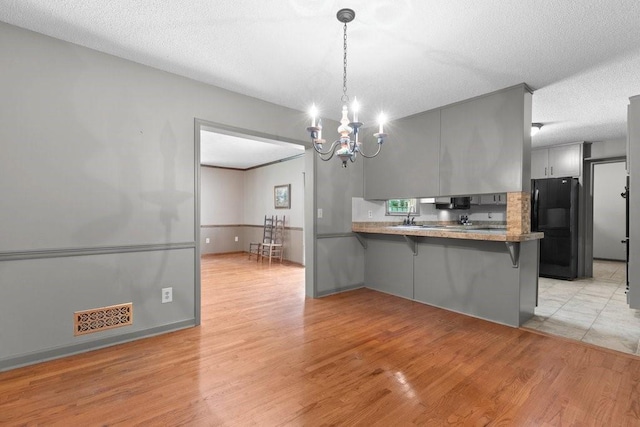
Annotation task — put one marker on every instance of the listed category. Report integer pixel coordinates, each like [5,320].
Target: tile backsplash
[360,209]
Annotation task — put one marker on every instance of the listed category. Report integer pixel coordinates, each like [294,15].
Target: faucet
[408,220]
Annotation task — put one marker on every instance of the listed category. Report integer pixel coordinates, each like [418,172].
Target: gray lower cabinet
[477,278]
[483,143]
[472,277]
[388,265]
[407,166]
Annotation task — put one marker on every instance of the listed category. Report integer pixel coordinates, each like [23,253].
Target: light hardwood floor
[264,355]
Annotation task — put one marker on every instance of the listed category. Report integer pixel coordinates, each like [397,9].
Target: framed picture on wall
[282,196]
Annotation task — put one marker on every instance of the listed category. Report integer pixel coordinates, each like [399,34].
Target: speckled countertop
[484,231]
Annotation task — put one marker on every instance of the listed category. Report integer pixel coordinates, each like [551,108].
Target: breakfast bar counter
[496,233]
[481,270]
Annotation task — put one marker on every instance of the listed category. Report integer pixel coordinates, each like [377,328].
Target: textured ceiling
[582,58]
[228,151]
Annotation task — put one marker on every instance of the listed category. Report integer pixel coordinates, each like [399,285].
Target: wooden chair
[275,248]
[255,248]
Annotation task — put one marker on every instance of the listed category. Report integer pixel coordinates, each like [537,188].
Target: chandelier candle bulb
[355,107]
[381,122]
[313,113]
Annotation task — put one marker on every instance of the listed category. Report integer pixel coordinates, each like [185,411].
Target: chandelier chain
[345,97]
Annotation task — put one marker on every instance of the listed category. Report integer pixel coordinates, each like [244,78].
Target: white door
[609,180]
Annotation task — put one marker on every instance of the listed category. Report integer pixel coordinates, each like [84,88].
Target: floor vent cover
[100,319]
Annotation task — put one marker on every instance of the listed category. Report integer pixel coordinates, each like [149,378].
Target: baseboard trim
[284,260]
[341,290]
[57,353]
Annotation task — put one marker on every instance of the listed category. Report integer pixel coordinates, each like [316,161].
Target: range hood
[453,203]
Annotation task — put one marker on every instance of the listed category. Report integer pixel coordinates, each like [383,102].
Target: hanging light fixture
[347,146]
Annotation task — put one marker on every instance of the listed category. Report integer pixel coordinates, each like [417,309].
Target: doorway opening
[594,308]
[238,173]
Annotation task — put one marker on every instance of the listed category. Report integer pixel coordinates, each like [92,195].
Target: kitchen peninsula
[489,272]
[480,146]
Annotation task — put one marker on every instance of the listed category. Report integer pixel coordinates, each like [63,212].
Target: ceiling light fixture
[346,147]
[535,128]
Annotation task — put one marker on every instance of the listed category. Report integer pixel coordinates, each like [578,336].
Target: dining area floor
[592,310]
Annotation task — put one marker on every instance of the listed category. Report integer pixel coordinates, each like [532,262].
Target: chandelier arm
[372,156]
[329,151]
[326,159]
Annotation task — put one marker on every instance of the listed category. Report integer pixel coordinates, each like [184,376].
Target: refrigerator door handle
[535,209]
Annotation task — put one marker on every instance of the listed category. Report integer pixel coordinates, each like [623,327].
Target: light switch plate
[320,213]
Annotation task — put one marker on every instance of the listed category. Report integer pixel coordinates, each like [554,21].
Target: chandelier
[347,146]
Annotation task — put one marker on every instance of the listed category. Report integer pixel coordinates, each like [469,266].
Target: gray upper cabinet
[493,199]
[408,164]
[539,163]
[558,161]
[485,143]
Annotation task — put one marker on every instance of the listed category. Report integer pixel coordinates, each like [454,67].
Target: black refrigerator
[554,211]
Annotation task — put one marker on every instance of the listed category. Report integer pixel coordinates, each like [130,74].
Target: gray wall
[334,256]
[99,191]
[258,185]
[608,149]
[221,210]
[633,160]
[234,203]
[609,180]
[222,196]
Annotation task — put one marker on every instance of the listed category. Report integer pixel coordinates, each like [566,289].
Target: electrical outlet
[236,238]
[370,214]
[320,213]
[167,295]
[207,240]
[489,215]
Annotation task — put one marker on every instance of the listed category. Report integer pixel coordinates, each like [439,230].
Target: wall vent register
[100,319]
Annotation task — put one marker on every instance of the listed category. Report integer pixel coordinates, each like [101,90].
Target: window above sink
[402,207]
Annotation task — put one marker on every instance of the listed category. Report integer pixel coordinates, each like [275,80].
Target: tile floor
[592,310]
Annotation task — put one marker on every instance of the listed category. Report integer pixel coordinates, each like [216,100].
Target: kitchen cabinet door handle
[545,171]
[551,170]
